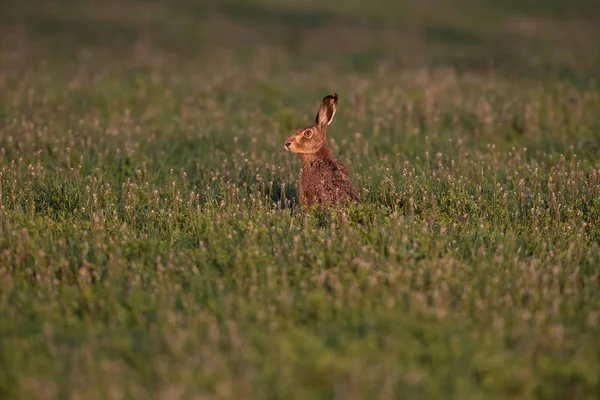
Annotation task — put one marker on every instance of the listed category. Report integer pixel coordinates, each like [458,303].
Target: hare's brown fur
[323,178]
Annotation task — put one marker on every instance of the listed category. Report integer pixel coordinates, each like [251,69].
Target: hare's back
[326,180]
[342,181]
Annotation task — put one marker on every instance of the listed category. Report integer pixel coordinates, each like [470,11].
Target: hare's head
[311,139]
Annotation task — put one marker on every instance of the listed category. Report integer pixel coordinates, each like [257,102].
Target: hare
[323,178]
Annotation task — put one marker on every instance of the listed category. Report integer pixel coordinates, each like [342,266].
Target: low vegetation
[151,242]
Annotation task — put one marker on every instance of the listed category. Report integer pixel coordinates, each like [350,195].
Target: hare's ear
[327,110]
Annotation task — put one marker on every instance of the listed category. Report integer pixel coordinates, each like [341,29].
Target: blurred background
[523,38]
[191,69]
[202,78]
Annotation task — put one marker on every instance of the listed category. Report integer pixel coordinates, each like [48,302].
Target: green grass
[151,244]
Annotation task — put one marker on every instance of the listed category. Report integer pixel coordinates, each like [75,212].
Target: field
[151,241]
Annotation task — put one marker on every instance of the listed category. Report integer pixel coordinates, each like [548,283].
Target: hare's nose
[287,145]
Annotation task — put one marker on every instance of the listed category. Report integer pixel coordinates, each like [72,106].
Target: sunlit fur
[323,178]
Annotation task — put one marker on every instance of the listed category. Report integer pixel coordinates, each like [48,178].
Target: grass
[151,245]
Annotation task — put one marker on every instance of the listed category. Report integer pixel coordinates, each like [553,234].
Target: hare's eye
[307,133]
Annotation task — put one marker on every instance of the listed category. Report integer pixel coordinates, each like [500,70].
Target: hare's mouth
[287,146]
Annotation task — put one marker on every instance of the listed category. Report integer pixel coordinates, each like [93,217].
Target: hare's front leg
[300,192]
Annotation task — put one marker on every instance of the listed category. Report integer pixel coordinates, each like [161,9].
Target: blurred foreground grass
[150,241]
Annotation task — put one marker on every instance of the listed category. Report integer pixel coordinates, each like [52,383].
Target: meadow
[151,241]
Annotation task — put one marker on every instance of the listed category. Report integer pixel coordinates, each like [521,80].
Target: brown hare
[323,179]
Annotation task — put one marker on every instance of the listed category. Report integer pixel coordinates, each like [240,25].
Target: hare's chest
[308,175]
[313,182]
